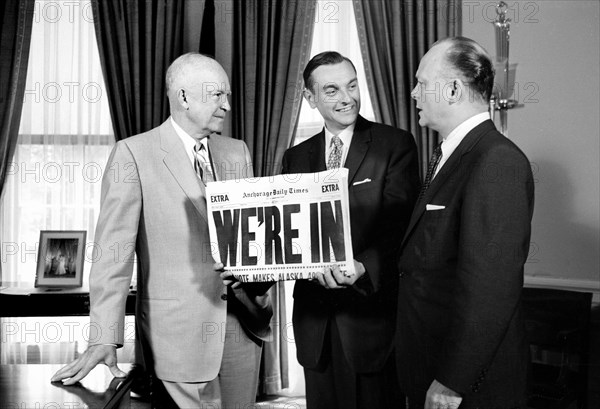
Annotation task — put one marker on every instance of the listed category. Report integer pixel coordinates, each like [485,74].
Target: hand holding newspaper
[285,227]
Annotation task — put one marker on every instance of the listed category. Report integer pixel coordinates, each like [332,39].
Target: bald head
[466,59]
[189,69]
[454,82]
[198,90]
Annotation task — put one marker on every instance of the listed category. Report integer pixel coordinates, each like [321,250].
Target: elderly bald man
[202,338]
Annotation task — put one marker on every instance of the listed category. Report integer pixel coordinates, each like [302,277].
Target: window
[53,182]
[65,138]
[335,29]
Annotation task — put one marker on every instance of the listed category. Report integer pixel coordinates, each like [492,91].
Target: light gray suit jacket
[154,204]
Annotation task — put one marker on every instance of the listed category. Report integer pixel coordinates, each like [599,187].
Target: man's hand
[440,397]
[334,279]
[226,275]
[79,368]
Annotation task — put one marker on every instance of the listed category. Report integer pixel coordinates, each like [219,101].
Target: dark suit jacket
[461,276]
[379,213]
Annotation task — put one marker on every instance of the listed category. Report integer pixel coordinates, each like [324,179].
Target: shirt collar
[345,136]
[189,143]
[464,128]
[455,137]
[459,133]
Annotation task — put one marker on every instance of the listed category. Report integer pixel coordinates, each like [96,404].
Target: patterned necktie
[433,162]
[335,156]
[202,163]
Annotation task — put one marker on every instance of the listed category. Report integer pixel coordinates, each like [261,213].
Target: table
[50,302]
[29,386]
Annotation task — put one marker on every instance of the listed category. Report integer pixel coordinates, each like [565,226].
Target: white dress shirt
[189,143]
[457,135]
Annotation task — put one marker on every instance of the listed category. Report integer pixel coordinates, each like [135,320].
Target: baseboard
[589,286]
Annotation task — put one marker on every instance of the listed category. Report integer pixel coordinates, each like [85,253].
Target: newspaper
[285,227]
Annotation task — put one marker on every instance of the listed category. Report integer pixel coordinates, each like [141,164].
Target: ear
[182,99]
[310,98]
[455,91]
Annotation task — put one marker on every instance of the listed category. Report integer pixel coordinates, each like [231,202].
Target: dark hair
[473,62]
[324,58]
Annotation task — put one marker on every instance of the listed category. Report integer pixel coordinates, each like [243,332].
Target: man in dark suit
[343,326]
[460,335]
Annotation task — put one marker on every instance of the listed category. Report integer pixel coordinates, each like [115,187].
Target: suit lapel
[317,153]
[447,170]
[178,163]
[358,147]
[356,153]
[216,157]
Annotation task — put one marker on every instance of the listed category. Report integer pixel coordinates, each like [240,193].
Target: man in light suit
[460,338]
[344,326]
[203,339]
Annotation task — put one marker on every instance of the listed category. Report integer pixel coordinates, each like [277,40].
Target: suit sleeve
[493,246]
[115,239]
[398,199]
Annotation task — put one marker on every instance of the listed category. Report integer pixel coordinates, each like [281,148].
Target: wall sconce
[504,83]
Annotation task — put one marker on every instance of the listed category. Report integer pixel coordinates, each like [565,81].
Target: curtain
[335,29]
[393,36]
[53,183]
[16,18]
[64,139]
[272,42]
[138,40]
[271,46]
[207,31]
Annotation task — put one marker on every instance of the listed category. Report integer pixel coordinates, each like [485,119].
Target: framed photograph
[60,258]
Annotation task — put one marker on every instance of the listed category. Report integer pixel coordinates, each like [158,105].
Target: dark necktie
[433,162]
[335,156]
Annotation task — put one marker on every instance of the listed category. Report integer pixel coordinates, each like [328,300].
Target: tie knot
[437,153]
[199,147]
[337,141]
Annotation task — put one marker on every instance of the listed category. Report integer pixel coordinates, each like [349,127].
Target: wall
[555,44]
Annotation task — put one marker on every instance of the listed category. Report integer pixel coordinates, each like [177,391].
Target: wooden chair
[558,328]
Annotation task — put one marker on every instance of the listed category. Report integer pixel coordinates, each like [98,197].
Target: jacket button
[402,274]
[224,297]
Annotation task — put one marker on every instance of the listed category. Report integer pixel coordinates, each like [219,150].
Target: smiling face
[335,94]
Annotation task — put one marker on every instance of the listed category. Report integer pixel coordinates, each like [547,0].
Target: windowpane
[65,138]
[335,30]
[53,181]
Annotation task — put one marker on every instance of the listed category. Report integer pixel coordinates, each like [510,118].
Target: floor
[282,403]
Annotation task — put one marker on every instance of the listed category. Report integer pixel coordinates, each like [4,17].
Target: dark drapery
[272,41]
[137,40]
[207,31]
[394,35]
[16,18]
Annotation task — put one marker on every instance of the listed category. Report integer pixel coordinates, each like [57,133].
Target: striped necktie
[433,162]
[202,163]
